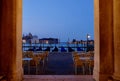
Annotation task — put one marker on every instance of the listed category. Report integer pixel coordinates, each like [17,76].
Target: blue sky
[62,19]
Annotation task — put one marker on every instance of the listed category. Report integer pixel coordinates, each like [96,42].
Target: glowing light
[46,42]
[24,41]
[88,36]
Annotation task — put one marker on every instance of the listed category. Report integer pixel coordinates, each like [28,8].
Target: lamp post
[68,42]
[88,36]
[59,42]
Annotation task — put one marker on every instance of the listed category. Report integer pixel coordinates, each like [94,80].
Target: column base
[116,77]
[105,77]
[16,76]
[96,75]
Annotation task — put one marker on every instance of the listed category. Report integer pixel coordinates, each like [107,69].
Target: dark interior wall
[0,32]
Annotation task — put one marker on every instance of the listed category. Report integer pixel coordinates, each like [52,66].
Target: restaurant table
[27,59]
[86,61]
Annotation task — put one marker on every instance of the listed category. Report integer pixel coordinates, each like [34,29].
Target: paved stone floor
[58,78]
[60,64]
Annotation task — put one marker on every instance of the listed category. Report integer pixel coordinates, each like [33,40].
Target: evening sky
[63,19]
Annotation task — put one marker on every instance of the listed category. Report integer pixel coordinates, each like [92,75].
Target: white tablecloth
[27,59]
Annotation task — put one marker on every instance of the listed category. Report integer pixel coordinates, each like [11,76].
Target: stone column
[103,40]
[96,39]
[11,39]
[117,39]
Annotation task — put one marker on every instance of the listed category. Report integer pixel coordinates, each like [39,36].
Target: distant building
[49,40]
[91,42]
[29,38]
[34,39]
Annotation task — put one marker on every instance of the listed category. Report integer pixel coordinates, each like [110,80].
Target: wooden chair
[46,54]
[38,56]
[24,54]
[34,63]
[41,57]
[24,63]
[78,63]
[30,54]
[91,66]
[86,63]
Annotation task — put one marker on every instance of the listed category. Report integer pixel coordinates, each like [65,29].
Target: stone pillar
[116,39]
[104,66]
[11,39]
[96,39]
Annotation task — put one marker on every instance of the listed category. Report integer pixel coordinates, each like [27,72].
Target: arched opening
[67,21]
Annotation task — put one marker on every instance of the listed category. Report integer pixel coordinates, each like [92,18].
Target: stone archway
[107,39]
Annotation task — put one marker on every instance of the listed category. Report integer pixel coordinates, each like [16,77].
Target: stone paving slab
[58,78]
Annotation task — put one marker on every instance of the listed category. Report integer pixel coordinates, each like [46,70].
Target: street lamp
[88,36]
